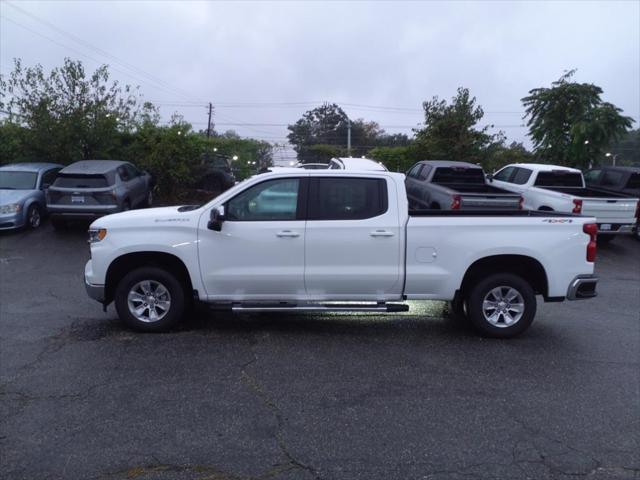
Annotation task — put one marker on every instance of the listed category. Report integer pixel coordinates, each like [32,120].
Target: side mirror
[490,177]
[216,219]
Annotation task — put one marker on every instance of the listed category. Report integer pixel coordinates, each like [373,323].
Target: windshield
[13,180]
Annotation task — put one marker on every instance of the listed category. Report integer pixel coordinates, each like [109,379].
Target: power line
[100,51]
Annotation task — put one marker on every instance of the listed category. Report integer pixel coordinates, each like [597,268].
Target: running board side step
[320,307]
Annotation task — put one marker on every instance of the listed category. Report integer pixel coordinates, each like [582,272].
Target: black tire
[58,223]
[34,217]
[605,239]
[480,291]
[177,298]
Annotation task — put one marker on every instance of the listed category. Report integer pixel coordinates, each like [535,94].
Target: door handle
[382,233]
[287,233]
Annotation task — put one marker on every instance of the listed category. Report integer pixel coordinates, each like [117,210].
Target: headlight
[97,234]
[11,208]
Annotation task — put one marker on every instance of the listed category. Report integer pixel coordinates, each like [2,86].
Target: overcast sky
[288,56]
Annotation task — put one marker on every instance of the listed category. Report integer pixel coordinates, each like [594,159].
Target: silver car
[89,189]
[22,193]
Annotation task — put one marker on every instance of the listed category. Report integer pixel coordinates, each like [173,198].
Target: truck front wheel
[501,305]
[150,299]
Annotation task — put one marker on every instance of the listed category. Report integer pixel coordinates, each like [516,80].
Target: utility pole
[348,137]
[209,122]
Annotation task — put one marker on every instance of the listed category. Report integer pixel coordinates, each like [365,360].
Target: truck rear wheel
[501,305]
[150,299]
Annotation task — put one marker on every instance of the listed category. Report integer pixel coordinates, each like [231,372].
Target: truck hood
[161,217]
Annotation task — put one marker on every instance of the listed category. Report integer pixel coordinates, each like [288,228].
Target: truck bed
[584,192]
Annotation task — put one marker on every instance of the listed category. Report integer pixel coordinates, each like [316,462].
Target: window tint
[505,174]
[49,176]
[271,200]
[634,181]
[347,198]
[521,176]
[559,178]
[458,175]
[17,180]
[131,170]
[611,178]
[81,181]
[123,174]
[424,173]
[415,170]
[592,176]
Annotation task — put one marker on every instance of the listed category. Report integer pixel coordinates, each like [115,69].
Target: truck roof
[543,167]
[328,173]
[356,163]
[449,163]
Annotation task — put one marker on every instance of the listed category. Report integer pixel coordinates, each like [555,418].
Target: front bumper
[9,221]
[582,287]
[94,291]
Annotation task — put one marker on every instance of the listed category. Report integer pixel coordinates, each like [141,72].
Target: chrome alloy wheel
[34,218]
[149,301]
[503,306]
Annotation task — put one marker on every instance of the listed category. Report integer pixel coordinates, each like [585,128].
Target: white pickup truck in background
[302,240]
[562,189]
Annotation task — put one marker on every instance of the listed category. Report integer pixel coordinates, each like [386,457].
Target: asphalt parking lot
[272,396]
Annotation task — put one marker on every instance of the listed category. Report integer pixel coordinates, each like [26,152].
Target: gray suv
[89,189]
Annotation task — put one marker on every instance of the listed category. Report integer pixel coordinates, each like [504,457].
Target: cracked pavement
[292,396]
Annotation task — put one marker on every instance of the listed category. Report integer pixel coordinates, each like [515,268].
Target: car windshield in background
[81,181]
[13,180]
[458,175]
[559,179]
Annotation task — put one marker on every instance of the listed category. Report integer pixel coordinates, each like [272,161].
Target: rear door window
[458,175]
[521,176]
[80,181]
[559,178]
[611,178]
[347,198]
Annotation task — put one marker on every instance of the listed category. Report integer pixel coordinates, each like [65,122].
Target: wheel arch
[524,266]
[124,264]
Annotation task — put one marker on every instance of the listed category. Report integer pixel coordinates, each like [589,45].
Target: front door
[353,239]
[259,253]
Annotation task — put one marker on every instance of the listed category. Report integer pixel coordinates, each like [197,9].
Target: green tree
[450,131]
[70,115]
[570,124]
[626,150]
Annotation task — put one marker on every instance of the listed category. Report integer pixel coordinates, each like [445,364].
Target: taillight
[591,229]
[521,203]
[638,212]
[455,204]
[577,206]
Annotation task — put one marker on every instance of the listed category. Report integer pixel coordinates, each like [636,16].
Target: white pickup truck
[305,240]
[562,189]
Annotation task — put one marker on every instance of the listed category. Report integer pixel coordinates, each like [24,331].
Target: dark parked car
[449,185]
[22,197]
[617,179]
[215,174]
[89,189]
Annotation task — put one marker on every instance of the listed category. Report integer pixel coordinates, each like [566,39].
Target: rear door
[352,244]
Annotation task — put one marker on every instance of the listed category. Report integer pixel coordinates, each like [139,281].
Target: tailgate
[610,210]
[506,202]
